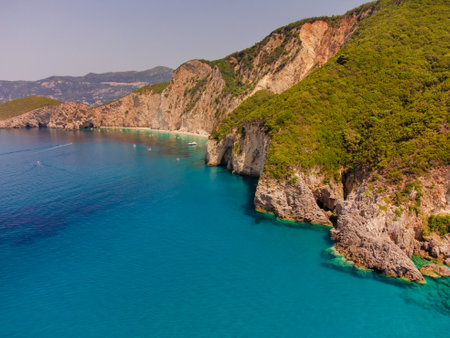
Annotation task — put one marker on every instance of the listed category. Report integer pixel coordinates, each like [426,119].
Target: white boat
[192,143]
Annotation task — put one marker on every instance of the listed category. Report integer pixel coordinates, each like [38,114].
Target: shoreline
[158,130]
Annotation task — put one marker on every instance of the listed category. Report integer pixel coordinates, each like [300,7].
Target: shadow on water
[45,219]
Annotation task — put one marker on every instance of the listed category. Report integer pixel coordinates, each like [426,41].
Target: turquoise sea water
[101,238]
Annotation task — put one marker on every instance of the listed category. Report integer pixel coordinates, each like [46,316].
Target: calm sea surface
[129,234]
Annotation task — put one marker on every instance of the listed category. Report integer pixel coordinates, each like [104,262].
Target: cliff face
[301,50]
[360,145]
[369,230]
[243,151]
[201,93]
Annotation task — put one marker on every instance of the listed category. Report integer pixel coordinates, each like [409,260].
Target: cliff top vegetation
[25,104]
[380,104]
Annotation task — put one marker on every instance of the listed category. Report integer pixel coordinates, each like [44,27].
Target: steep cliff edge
[201,92]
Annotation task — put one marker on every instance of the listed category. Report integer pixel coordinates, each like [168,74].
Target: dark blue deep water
[101,238]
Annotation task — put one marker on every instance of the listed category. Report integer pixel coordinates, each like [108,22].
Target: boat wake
[36,150]
[55,147]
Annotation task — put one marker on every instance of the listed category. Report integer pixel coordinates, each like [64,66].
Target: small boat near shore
[192,143]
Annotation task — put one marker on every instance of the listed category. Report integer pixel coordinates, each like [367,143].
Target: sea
[126,233]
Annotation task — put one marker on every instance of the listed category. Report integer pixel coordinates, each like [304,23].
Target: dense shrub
[380,104]
[25,104]
[439,224]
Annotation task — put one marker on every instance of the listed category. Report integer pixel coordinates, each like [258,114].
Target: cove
[128,233]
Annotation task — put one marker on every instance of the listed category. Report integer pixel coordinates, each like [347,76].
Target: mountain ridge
[90,89]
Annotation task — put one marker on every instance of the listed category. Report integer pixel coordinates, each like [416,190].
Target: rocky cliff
[360,145]
[370,229]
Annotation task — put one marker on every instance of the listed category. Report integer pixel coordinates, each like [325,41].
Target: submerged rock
[434,270]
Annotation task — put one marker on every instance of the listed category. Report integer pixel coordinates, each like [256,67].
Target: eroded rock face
[304,198]
[374,239]
[71,115]
[374,233]
[435,271]
[319,41]
[243,150]
[294,201]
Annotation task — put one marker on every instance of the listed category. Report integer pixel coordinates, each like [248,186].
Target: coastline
[158,130]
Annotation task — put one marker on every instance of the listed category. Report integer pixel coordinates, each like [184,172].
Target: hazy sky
[39,38]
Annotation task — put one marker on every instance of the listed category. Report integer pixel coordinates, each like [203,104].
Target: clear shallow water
[100,238]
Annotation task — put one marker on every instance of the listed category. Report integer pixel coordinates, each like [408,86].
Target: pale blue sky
[39,38]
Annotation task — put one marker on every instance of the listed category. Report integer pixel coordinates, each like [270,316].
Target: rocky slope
[91,89]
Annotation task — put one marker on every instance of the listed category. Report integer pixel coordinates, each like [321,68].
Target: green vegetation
[156,88]
[439,224]
[241,113]
[381,104]
[25,104]
[420,261]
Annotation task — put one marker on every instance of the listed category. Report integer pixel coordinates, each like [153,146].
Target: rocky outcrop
[435,271]
[290,200]
[71,115]
[372,238]
[435,247]
[306,197]
[242,151]
[373,232]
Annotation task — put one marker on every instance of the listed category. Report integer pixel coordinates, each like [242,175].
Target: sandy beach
[160,131]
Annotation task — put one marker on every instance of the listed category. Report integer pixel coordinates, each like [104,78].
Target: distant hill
[25,104]
[92,89]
